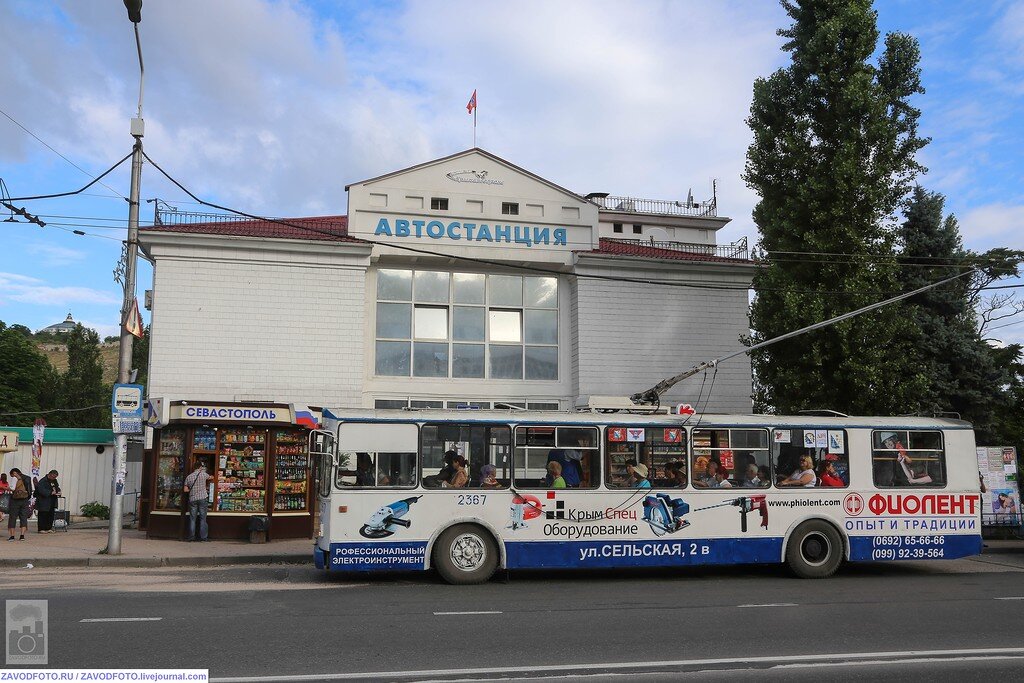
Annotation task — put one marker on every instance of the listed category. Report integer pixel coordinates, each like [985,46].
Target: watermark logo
[27,632]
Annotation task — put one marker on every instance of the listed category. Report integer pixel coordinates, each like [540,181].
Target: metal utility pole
[130,256]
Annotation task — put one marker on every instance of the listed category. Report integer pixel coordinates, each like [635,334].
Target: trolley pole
[124,359]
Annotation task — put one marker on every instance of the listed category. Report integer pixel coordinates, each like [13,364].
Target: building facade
[465,281]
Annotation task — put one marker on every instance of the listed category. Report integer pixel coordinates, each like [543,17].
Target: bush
[96,509]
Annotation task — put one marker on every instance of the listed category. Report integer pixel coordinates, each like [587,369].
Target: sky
[272,107]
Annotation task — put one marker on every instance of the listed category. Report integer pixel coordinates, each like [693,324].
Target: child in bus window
[554,479]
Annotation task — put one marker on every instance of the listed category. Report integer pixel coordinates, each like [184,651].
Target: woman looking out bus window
[803,475]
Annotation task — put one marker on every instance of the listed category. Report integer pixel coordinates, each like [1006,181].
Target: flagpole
[474,124]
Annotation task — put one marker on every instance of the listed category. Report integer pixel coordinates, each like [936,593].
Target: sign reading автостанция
[470,232]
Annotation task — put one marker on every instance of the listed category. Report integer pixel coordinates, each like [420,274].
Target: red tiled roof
[612,247]
[321,228]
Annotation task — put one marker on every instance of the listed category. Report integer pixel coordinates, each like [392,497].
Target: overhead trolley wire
[79,191]
[473,259]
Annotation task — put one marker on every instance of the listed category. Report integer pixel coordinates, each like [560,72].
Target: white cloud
[54,255]
[995,223]
[30,290]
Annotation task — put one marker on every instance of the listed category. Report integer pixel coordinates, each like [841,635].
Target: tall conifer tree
[833,155]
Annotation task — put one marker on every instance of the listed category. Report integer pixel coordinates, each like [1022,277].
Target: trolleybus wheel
[465,554]
[815,550]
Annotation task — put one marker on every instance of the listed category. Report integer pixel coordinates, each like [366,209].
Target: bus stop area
[80,547]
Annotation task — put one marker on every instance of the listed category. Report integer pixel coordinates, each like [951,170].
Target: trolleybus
[469,492]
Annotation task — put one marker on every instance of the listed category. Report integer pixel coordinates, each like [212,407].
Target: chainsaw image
[386,520]
[665,514]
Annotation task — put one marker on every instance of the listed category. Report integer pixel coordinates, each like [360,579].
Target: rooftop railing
[657,206]
[736,250]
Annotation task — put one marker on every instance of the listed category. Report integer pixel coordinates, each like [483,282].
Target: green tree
[24,372]
[82,384]
[833,155]
[966,374]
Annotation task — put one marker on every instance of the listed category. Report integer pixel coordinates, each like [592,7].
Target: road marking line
[447,614]
[843,657]
[1019,597]
[773,604]
[93,621]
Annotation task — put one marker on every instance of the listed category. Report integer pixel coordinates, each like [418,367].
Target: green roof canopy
[63,435]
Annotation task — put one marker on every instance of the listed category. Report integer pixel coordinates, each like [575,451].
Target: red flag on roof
[472,103]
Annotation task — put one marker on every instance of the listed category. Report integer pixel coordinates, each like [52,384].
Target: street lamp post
[124,360]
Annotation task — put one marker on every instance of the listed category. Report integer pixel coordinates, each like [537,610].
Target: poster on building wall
[998,468]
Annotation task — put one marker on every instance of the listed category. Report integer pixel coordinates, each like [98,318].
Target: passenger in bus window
[707,480]
[638,476]
[488,479]
[803,475]
[751,480]
[571,460]
[675,475]
[722,479]
[364,470]
[827,475]
[459,476]
[444,476]
[915,474]
[554,480]
[764,476]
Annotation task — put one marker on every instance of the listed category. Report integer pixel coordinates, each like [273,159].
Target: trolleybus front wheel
[815,550]
[465,554]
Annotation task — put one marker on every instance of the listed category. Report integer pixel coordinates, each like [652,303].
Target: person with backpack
[21,497]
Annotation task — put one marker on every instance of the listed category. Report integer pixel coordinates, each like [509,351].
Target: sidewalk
[81,547]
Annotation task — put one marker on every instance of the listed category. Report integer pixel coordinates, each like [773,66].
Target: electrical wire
[55,410]
[44,143]
[79,191]
[469,259]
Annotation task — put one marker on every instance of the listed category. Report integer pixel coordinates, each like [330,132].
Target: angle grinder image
[665,514]
[386,520]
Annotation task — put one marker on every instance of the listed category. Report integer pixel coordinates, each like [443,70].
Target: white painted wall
[631,336]
[84,474]
[248,319]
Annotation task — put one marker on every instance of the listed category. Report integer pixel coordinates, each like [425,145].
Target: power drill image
[386,520]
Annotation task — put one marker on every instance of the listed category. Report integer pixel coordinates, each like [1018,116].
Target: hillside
[57,354]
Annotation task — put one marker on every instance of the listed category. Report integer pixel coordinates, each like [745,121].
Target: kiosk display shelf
[291,470]
[170,469]
[241,471]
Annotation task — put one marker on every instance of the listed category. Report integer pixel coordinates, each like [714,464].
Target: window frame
[811,427]
[908,431]
[595,478]
[510,208]
[692,478]
[437,202]
[607,460]
[338,486]
[489,425]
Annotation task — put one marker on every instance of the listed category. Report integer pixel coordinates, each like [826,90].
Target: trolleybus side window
[826,449]
[575,449]
[485,448]
[374,455]
[730,458]
[321,447]
[908,458]
[661,450]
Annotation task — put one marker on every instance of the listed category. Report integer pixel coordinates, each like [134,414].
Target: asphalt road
[909,621]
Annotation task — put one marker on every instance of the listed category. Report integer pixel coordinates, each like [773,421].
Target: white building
[462,280]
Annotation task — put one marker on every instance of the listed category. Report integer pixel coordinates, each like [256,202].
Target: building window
[510,208]
[439,203]
[466,325]
[638,229]
[616,227]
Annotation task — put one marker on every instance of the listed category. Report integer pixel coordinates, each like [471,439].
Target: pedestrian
[21,495]
[5,495]
[47,492]
[198,502]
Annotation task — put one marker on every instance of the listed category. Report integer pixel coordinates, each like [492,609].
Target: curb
[144,562]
